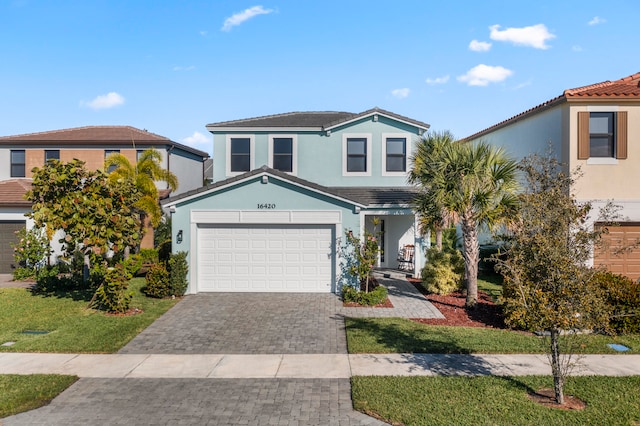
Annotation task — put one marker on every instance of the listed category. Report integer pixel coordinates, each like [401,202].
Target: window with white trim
[395,154]
[356,154]
[240,154]
[283,153]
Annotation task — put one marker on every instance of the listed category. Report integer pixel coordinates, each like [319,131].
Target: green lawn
[493,400]
[22,393]
[398,335]
[70,326]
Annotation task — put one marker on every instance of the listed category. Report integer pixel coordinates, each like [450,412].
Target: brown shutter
[621,135]
[583,135]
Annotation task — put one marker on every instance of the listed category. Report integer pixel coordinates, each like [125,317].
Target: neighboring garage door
[265,258]
[7,237]
[620,251]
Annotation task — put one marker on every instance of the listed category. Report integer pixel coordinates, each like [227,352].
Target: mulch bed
[486,313]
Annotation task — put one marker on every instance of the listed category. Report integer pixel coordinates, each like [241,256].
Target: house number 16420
[262,206]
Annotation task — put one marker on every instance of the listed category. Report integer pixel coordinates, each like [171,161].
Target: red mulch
[130,312]
[485,314]
[546,397]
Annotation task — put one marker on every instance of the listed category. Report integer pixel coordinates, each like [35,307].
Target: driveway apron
[220,323]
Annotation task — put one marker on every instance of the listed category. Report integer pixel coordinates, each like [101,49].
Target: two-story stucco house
[286,188]
[19,154]
[596,128]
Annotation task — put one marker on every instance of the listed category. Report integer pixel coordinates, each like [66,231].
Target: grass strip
[492,400]
[22,393]
[69,325]
[399,335]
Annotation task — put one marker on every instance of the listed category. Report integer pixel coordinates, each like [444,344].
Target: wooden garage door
[265,258]
[7,236]
[620,251]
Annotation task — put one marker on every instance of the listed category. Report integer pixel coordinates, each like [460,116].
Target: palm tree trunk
[439,238]
[556,368]
[471,254]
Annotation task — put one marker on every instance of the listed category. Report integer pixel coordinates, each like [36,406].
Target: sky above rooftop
[172,67]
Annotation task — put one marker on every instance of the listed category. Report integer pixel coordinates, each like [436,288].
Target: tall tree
[143,175]
[433,216]
[547,283]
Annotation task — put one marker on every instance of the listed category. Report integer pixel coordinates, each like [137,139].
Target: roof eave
[248,129]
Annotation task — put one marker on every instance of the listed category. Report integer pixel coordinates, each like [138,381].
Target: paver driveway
[220,323]
[247,323]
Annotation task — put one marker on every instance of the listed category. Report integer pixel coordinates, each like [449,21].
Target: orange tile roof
[12,192]
[627,88]
[90,133]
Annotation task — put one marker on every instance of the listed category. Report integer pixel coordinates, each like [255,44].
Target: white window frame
[345,137]
[252,153]
[407,142]
[294,151]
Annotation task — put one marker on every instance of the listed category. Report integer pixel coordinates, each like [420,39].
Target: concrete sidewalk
[307,366]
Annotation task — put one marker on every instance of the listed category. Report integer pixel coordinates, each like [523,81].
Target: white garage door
[265,258]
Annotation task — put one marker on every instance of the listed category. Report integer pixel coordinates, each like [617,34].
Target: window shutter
[583,135]
[621,135]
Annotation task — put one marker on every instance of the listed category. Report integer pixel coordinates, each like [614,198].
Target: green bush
[178,269]
[148,256]
[157,281]
[164,251]
[374,297]
[30,253]
[112,295]
[444,271]
[623,297]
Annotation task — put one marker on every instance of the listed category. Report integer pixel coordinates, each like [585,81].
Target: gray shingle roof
[317,120]
[363,196]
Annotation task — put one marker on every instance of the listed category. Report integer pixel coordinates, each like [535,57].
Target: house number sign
[268,206]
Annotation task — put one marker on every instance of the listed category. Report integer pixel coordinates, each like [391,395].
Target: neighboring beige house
[596,128]
[19,154]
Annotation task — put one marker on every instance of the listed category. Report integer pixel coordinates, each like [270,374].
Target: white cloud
[197,139]
[401,93]
[203,33]
[189,68]
[110,100]
[577,48]
[482,75]
[597,20]
[479,46]
[238,18]
[533,36]
[437,80]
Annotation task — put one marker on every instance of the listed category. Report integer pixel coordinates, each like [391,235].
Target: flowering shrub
[30,253]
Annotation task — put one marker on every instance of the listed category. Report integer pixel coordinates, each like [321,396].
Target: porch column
[421,243]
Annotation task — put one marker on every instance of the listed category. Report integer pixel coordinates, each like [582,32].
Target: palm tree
[433,216]
[144,175]
[477,184]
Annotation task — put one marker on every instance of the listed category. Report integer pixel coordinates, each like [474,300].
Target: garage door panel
[265,258]
[620,251]
[8,237]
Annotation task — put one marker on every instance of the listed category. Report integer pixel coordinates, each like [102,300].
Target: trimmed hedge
[623,297]
[372,298]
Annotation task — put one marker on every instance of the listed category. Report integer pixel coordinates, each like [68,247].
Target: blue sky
[171,67]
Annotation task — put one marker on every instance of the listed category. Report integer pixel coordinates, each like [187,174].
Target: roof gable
[12,192]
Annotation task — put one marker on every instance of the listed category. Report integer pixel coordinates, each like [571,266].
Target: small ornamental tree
[547,285]
[365,255]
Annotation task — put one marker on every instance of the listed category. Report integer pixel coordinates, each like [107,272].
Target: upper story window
[18,163]
[356,154]
[394,154]
[108,152]
[282,153]
[602,135]
[51,154]
[240,154]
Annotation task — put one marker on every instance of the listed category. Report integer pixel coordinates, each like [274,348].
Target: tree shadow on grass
[398,339]
[63,288]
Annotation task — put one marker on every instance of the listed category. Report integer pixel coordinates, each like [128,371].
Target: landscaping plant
[361,256]
[30,253]
[547,285]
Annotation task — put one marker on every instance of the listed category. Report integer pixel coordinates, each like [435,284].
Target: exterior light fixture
[179,237]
